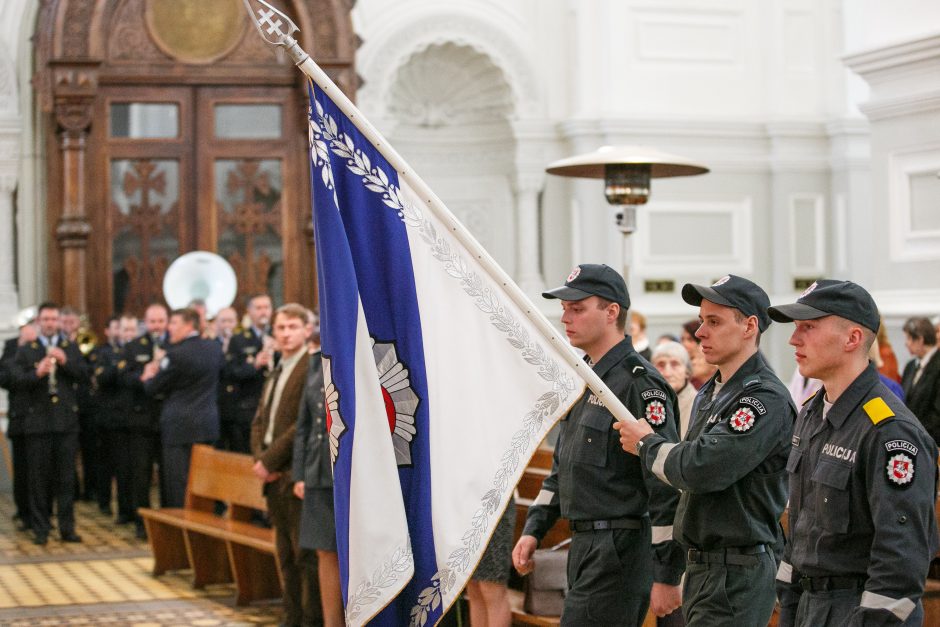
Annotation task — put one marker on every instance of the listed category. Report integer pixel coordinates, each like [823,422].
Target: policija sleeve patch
[900,467]
[655,406]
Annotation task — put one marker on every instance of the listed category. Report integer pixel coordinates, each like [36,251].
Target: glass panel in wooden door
[248,204]
[145,196]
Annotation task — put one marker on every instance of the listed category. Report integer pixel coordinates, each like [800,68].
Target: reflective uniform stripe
[901,608]
[785,573]
[544,498]
[659,464]
[662,534]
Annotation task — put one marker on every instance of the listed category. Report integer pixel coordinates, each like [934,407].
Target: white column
[528,268]
[8,296]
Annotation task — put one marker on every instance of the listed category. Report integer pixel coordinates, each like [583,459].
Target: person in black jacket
[48,373]
[249,358]
[139,428]
[16,413]
[188,377]
[921,377]
[102,406]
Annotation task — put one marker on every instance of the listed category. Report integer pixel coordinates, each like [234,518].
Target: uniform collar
[858,391]
[755,363]
[613,356]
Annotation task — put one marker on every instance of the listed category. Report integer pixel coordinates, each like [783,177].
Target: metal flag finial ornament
[275,28]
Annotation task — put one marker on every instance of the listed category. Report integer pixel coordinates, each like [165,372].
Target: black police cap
[828,297]
[732,291]
[592,279]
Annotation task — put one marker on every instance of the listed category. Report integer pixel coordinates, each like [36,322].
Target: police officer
[17,409]
[139,430]
[731,467]
[863,476]
[620,514]
[47,373]
[249,358]
[188,378]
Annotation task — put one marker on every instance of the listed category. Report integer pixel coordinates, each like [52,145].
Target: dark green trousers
[610,574]
[730,595]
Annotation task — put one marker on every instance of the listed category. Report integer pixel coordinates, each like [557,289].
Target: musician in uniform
[249,358]
[139,429]
[48,373]
[16,414]
[188,378]
[105,406]
[225,324]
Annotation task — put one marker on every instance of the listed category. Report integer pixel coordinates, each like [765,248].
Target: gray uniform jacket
[592,478]
[862,488]
[731,467]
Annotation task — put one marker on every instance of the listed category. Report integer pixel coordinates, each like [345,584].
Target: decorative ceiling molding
[381,61]
[449,85]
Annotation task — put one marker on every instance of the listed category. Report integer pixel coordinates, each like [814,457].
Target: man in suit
[140,427]
[188,377]
[272,446]
[16,414]
[921,378]
[48,373]
[249,358]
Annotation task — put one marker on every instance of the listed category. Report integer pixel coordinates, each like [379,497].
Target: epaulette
[878,410]
[751,381]
[635,364]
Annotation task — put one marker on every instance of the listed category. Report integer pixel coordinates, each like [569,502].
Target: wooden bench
[218,549]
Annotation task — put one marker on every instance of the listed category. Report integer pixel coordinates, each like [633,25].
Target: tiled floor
[105,580]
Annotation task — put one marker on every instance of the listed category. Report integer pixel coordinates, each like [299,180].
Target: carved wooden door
[201,168]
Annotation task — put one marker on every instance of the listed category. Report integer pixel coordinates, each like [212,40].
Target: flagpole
[307,65]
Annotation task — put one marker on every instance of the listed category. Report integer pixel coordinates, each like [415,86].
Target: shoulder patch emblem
[656,413]
[900,469]
[877,410]
[901,445]
[742,419]
[653,393]
[756,404]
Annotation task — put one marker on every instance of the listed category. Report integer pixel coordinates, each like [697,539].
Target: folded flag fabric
[439,384]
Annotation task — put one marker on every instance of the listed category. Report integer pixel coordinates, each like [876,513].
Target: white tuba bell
[200,275]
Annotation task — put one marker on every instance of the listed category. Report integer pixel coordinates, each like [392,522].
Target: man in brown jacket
[272,442]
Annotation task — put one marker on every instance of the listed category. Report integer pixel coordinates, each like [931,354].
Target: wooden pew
[218,549]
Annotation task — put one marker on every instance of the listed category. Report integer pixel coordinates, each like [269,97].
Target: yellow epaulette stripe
[877,409]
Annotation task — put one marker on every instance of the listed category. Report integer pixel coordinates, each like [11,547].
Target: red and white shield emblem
[901,469]
[655,413]
[742,419]
[574,274]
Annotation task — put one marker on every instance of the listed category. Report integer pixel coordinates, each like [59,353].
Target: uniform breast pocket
[594,429]
[831,483]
